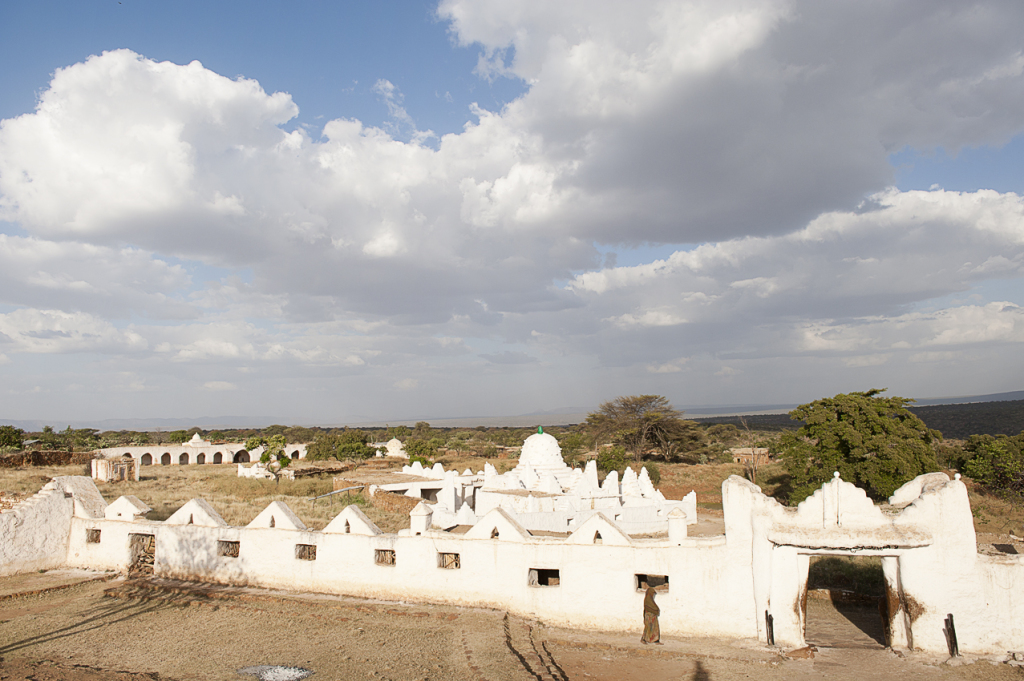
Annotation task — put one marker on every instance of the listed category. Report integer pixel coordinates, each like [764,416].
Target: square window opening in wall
[305,551]
[449,561]
[659,582]
[543,577]
[92,536]
[384,557]
[228,549]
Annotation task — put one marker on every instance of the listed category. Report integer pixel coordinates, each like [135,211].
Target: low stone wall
[49,458]
[388,501]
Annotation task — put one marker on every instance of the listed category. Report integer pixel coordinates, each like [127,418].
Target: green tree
[11,437]
[400,432]
[323,447]
[995,462]
[572,445]
[612,459]
[51,440]
[421,430]
[634,421]
[874,442]
[423,448]
[275,450]
[255,442]
[348,444]
[684,440]
[178,436]
[352,444]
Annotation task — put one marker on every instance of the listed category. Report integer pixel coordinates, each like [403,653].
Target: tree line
[875,441]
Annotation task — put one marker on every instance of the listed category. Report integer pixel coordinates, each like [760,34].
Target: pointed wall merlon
[196,512]
[498,519]
[356,520]
[599,524]
[278,516]
[127,507]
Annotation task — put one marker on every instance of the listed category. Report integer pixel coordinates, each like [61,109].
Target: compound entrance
[845,604]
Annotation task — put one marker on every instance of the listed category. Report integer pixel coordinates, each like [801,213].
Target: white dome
[542,453]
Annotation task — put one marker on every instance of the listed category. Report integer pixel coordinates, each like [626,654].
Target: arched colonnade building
[195,451]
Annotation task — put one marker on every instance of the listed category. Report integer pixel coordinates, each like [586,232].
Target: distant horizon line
[557,417]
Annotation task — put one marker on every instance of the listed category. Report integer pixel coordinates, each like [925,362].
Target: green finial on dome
[540,430]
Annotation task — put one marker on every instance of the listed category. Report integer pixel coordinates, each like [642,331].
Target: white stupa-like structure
[546,494]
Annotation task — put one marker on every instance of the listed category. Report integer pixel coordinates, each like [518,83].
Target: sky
[327,213]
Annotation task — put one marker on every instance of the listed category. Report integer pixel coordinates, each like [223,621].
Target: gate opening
[846,603]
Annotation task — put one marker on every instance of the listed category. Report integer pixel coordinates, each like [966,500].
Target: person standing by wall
[652,632]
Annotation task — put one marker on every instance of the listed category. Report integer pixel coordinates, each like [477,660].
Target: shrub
[613,459]
[12,438]
[996,462]
[424,461]
[653,471]
[349,444]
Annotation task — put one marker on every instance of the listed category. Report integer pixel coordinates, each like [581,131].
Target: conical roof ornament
[540,430]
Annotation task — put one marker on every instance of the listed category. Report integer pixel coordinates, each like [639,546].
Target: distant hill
[954,421]
[957,421]
[769,422]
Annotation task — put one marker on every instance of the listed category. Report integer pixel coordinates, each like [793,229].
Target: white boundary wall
[718,585]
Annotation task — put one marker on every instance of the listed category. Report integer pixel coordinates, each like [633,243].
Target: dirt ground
[81,626]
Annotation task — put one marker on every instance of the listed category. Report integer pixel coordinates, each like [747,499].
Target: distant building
[195,451]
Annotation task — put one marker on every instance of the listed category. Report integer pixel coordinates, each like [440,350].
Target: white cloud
[219,386]
[751,131]
[54,331]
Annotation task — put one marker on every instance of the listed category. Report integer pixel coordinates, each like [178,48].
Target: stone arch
[147,459]
[165,460]
[201,459]
[183,459]
[597,538]
[218,458]
[295,454]
[241,456]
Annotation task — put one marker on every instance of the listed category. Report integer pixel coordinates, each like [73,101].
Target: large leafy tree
[634,421]
[874,442]
[11,437]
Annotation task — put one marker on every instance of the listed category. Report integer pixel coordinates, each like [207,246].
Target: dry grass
[995,515]
[166,488]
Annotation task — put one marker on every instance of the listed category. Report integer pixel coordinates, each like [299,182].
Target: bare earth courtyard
[67,625]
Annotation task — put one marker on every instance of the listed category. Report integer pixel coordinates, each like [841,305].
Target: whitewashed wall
[192,452]
[34,534]
[718,585]
[597,582]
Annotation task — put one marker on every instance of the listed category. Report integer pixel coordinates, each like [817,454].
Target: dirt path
[86,630]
